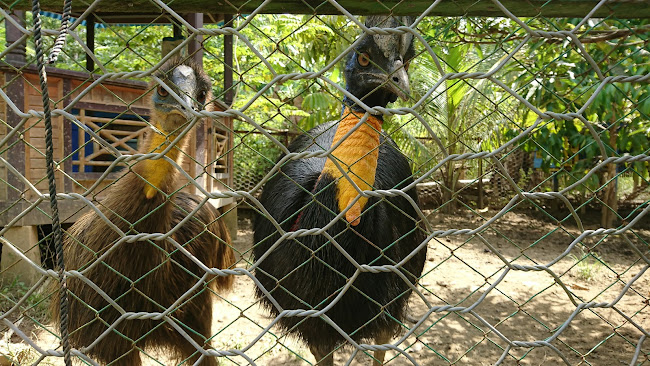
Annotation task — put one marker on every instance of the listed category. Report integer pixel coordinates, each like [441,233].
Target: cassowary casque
[310,272]
[149,276]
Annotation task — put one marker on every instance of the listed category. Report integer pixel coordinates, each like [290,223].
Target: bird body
[152,276]
[311,272]
[315,271]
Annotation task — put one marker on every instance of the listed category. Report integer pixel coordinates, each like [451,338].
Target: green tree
[461,112]
[564,81]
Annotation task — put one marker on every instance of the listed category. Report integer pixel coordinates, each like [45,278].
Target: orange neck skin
[357,155]
[157,172]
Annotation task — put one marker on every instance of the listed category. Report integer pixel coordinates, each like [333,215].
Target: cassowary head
[376,71]
[191,85]
[170,113]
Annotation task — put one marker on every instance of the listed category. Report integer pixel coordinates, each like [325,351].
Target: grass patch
[588,265]
[34,307]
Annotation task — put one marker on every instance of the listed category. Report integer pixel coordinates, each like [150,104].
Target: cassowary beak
[193,106]
[186,83]
[177,114]
[186,87]
[398,81]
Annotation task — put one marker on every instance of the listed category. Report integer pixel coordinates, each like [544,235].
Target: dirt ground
[525,306]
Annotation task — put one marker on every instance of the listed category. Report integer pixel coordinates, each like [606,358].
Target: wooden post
[12,35]
[178,32]
[170,43]
[610,201]
[230,218]
[227,59]
[195,48]
[25,239]
[90,41]
[555,203]
[480,183]
[15,154]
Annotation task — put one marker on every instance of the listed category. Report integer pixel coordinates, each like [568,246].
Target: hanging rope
[63,32]
[49,157]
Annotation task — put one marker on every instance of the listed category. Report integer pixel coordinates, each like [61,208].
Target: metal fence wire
[496,213]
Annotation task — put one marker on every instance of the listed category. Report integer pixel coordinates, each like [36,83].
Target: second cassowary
[149,276]
[309,272]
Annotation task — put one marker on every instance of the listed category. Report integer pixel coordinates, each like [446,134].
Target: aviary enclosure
[525,126]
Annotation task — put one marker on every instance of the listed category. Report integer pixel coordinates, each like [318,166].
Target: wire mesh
[528,140]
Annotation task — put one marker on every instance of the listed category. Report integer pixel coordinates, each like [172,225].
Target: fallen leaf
[577,287]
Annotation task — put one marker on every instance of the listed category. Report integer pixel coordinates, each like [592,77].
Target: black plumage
[309,272]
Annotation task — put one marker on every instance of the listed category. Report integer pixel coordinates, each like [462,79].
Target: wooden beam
[526,8]
[69,212]
[15,147]
[145,16]
[70,74]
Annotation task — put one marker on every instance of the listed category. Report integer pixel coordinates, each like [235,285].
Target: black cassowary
[149,276]
[310,272]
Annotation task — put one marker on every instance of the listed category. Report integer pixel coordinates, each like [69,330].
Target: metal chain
[49,158]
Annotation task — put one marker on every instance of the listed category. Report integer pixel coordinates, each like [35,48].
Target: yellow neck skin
[156,171]
[357,155]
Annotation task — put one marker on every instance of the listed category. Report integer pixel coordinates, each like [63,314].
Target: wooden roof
[121,10]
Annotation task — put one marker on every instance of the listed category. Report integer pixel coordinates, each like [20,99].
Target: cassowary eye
[406,66]
[201,97]
[162,92]
[363,59]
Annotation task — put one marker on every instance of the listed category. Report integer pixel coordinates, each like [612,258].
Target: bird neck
[357,156]
[372,98]
[159,174]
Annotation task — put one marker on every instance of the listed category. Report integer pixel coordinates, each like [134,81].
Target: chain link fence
[527,135]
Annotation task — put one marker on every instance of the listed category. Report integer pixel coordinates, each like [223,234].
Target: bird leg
[382,338]
[323,358]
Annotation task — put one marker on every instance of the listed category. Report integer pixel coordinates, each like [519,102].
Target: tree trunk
[449,189]
[610,201]
[449,181]
[480,184]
